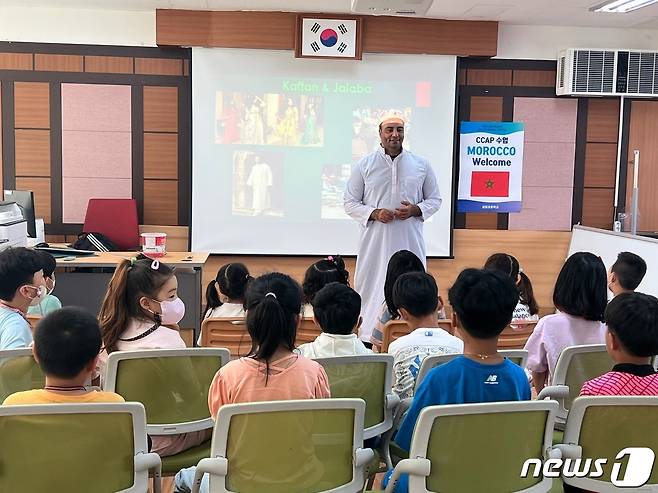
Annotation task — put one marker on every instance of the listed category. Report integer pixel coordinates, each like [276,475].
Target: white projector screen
[275,138]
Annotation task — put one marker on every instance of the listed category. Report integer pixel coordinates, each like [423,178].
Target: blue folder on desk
[66,252]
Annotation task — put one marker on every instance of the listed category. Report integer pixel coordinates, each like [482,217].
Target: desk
[87,288]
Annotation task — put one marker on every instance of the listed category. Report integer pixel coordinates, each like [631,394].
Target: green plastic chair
[600,428]
[19,371]
[516,356]
[297,446]
[478,447]
[173,385]
[575,366]
[76,448]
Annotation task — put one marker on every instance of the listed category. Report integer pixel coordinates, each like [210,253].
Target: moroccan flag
[490,184]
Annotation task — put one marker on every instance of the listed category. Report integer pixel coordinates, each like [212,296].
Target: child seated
[483,303]
[416,297]
[626,273]
[631,341]
[49,303]
[318,275]
[21,285]
[527,308]
[336,309]
[272,371]
[66,346]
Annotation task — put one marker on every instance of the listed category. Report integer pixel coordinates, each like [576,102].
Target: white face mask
[50,291]
[41,293]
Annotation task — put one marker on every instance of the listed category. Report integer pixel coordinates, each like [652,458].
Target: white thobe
[379,182]
[260,179]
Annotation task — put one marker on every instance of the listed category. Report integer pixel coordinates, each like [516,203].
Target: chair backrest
[468,444]
[75,448]
[516,356]
[116,219]
[515,335]
[577,364]
[603,427]
[172,384]
[446,324]
[19,371]
[289,446]
[367,377]
[229,332]
[307,331]
[394,329]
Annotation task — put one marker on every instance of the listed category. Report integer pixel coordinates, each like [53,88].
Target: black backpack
[95,242]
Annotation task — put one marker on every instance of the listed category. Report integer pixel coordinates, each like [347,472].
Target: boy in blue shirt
[483,303]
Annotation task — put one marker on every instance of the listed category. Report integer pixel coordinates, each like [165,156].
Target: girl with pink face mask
[141,310]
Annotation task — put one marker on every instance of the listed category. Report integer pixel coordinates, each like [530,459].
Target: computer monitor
[25,201]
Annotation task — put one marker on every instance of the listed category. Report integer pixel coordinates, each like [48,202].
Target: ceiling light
[622,6]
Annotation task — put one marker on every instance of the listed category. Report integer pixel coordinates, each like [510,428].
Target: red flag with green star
[490,184]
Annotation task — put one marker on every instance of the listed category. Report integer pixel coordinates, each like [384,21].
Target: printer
[13,226]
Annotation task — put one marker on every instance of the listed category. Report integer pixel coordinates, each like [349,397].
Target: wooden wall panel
[16,61]
[177,236]
[109,64]
[534,78]
[161,156]
[41,189]
[486,109]
[159,66]
[481,221]
[600,165]
[276,30]
[32,105]
[32,153]
[598,207]
[58,63]
[603,120]
[478,77]
[160,109]
[161,202]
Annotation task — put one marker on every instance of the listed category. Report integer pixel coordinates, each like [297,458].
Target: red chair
[116,219]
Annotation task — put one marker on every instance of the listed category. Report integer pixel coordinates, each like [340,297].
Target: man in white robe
[390,193]
[260,181]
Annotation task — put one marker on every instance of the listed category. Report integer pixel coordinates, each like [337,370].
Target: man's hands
[405,211]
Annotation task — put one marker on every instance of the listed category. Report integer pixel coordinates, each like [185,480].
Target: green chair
[603,427]
[479,447]
[517,356]
[76,448]
[574,367]
[172,384]
[298,446]
[19,371]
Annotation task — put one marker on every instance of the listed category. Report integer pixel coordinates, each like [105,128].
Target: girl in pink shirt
[141,310]
[580,295]
[271,371]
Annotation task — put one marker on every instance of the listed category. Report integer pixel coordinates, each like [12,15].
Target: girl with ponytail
[318,275]
[225,295]
[527,308]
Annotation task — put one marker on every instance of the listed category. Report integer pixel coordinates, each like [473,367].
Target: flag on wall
[328,37]
[489,183]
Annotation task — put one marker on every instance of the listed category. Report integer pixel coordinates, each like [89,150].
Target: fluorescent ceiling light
[622,6]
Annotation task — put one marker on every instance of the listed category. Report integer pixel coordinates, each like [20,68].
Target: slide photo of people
[258,183]
[334,181]
[269,119]
[365,129]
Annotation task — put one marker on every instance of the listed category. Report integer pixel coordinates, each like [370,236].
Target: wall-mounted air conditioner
[417,8]
[583,72]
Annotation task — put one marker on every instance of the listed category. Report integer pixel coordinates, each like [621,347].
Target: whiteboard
[608,244]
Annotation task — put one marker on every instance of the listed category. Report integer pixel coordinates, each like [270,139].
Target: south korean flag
[328,37]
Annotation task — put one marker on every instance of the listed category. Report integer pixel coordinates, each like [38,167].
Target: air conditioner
[583,72]
[416,8]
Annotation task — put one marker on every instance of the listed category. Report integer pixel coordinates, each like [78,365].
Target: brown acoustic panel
[483,77]
[161,202]
[159,66]
[160,109]
[33,153]
[31,105]
[598,206]
[481,221]
[534,78]
[109,64]
[41,189]
[486,109]
[161,156]
[602,120]
[16,61]
[600,165]
[186,67]
[462,77]
[58,63]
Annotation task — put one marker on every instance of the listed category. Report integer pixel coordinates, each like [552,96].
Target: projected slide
[275,139]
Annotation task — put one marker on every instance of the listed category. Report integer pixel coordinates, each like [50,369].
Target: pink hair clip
[330,258]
